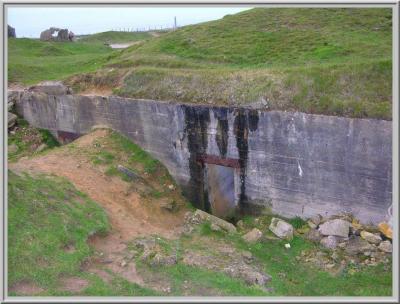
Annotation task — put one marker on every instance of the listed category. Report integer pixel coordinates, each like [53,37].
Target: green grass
[206,281]
[114,37]
[324,61]
[26,138]
[137,155]
[297,278]
[290,277]
[282,37]
[301,279]
[332,61]
[31,61]
[46,214]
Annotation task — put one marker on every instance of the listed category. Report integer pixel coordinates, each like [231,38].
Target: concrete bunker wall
[293,163]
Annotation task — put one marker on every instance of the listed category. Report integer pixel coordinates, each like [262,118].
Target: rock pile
[353,242]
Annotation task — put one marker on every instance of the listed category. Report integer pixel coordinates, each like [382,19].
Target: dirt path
[128,215]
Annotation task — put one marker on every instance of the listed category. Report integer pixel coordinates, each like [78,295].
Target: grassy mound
[31,61]
[114,37]
[283,37]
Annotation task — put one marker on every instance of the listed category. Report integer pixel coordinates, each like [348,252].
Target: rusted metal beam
[216,160]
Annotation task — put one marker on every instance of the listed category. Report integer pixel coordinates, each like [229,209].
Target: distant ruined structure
[57,34]
[11,32]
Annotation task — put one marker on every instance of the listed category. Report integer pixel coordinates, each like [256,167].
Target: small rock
[287,246]
[386,246]
[316,219]
[10,105]
[123,263]
[281,229]
[13,148]
[330,266]
[215,227]
[171,187]
[357,245]
[12,119]
[248,257]
[240,225]
[336,227]
[41,148]
[329,242]
[370,237]
[202,216]
[252,277]
[386,230]
[167,289]
[128,172]
[335,256]
[253,236]
[168,204]
[313,235]
[311,224]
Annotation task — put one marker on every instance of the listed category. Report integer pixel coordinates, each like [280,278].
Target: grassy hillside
[283,37]
[327,61]
[114,37]
[31,61]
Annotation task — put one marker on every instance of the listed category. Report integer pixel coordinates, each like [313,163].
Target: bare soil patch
[74,284]
[130,216]
[24,288]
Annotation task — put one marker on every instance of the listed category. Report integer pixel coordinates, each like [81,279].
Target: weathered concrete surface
[292,163]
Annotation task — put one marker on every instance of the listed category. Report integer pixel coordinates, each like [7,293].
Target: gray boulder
[337,227]
[281,228]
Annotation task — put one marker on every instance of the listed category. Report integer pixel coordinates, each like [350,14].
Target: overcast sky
[30,21]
